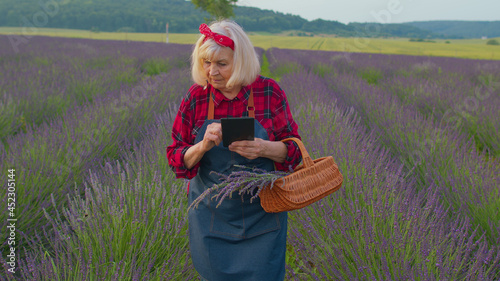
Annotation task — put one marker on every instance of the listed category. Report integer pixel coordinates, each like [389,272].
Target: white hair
[246,66]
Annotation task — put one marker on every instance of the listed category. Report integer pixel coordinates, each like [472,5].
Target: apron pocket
[239,220]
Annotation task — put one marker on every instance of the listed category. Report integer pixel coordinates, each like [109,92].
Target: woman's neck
[231,93]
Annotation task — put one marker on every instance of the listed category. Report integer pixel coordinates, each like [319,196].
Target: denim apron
[238,240]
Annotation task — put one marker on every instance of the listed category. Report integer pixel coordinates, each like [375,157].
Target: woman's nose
[213,70]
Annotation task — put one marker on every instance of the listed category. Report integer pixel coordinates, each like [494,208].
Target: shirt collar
[243,95]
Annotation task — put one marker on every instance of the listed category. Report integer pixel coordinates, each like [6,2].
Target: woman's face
[219,69]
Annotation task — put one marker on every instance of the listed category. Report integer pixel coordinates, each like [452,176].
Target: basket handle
[308,162]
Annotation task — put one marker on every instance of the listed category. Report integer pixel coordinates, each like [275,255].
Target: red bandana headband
[218,38]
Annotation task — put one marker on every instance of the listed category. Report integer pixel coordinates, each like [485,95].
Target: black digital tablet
[236,129]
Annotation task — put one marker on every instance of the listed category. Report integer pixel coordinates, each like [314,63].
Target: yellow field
[467,48]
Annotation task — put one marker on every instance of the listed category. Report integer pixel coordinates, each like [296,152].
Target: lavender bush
[52,75]
[435,154]
[430,143]
[88,130]
[129,225]
[55,155]
[381,224]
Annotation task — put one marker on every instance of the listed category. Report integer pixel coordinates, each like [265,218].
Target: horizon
[383,11]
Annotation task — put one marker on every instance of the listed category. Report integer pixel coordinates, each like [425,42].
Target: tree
[492,42]
[217,8]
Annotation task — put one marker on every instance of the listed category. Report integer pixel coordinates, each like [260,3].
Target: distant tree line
[461,29]
[493,42]
[183,17]
[107,15]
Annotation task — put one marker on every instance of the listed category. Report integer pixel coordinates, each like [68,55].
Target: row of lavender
[459,93]
[64,135]
[130,222]
[57,153]
[441,159]
[103,231]
[382,225]
[35,82]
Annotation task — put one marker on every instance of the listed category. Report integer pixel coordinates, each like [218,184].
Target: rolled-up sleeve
[285,127]
[182,141]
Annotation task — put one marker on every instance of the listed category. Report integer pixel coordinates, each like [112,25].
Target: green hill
[461,29]
[152,15]
[134,16]
[392,30]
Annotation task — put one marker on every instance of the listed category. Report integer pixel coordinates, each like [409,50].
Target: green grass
[321,69]
[156,66]
[265,67]
[466,48]
[371,75]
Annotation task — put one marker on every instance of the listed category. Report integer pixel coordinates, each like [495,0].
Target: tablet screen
[236,129]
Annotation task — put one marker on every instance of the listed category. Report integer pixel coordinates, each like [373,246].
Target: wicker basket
[309,182]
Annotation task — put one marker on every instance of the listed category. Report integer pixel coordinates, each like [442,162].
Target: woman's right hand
[212,137]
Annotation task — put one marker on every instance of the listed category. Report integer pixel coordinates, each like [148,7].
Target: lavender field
[85,125]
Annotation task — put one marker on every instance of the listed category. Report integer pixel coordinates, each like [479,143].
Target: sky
[383,11]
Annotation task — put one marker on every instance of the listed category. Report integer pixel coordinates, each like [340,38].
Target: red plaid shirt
[271,110]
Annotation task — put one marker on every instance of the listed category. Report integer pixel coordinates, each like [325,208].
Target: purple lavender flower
[248,181]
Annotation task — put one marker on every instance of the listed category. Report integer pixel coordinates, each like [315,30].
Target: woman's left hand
[274,150]
[249,149]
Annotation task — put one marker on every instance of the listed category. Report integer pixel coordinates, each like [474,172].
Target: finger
[215,127]
[246,152]
[242,144]
[210,141]
[213,137]
[250,156]
[216,131]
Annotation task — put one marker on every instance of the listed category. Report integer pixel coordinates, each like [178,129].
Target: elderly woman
[238,240]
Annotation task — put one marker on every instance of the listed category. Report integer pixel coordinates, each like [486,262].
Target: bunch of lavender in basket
[248,181]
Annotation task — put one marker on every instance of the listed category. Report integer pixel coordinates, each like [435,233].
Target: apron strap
[210,107]
[250,106]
